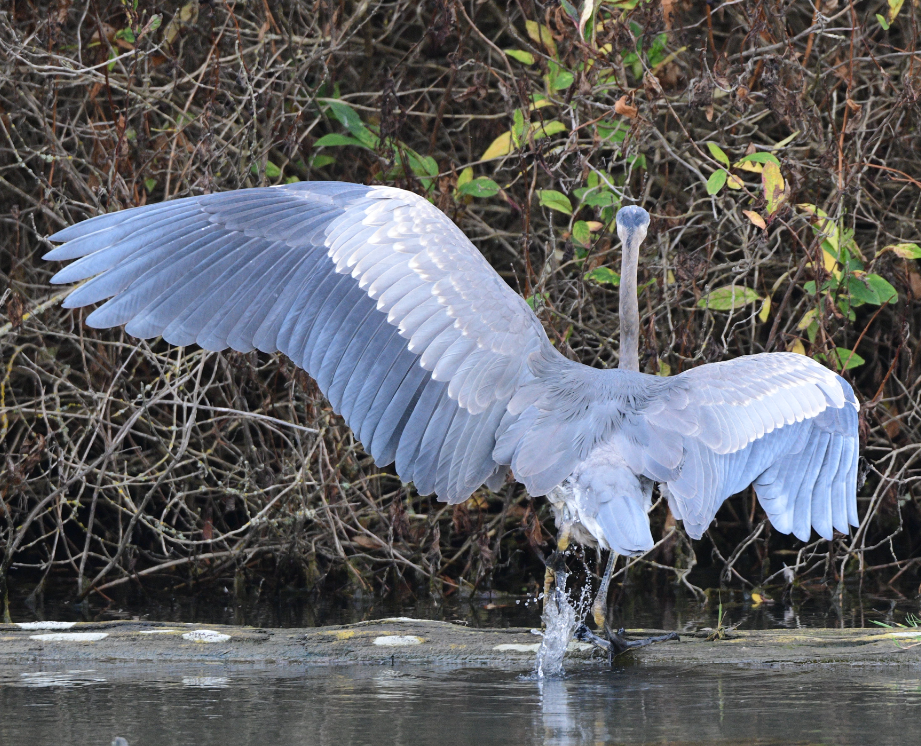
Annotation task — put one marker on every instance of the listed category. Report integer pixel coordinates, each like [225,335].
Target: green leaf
[637,160]
[717,181]
[571,10]
[352,122]
[601,198]
[518,124]
[882,22]
[335,139]
[882,288]
[519,54]
[422,165]
[616,133]
[150,184]
[561,80]
[846,358]
[728,298]
[292,180]
[320,160]
[481,187]
[555,200]
[603,276]
[540,299]
[271,170]
[862,291]
[717,152]
[581,233]
[759,158]
[344,114]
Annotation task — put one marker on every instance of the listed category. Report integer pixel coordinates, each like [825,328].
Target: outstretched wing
[409,332]
[780,421]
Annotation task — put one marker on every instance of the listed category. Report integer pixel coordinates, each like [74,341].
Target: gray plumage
[436,364]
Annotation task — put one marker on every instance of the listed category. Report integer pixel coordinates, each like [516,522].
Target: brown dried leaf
[367,542]
[14,310]
[625,109]
[914,282]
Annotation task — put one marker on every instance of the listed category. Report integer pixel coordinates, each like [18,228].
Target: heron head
[632,223]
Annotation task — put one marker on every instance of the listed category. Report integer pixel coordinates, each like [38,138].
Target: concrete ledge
[403,640]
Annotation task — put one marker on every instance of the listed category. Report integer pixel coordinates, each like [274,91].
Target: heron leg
[600,604]
[555,563]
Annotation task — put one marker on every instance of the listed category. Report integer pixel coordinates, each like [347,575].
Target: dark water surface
[641,608]
[405,706]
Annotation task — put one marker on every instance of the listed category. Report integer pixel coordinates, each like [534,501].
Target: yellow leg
[600,604]
[549,581]
[563,541]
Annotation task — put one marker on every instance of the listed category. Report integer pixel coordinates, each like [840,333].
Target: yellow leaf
[665,369]
[894,7]
[541,34]
[465,177]
[755,218]
[786,141]
[774,186]
[669,278]
[501,146]
[765,310]
[757,599]
[734,182]
[830,262]
[752,166]
[540,103]
[796,346]
[545,129]
[504,144]
[807,319]
[594,226]
[904,250]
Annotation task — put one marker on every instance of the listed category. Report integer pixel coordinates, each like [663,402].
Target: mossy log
[403,640]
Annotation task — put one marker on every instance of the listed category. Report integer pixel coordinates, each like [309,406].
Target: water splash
[561,618]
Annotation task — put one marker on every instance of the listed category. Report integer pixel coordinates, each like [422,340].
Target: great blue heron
[436,364]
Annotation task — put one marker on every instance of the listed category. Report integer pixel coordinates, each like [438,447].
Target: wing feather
[371,289]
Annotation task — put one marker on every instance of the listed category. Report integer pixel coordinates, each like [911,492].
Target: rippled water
[407,706]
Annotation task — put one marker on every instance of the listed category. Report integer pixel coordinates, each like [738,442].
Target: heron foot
[617,643]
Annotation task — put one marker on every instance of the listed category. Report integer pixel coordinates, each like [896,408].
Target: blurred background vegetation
[775,144]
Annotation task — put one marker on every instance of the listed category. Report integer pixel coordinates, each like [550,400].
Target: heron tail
[625,525]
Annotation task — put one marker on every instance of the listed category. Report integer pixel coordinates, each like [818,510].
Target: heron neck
[629,308]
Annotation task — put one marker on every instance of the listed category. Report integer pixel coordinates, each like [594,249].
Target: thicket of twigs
[127,462]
